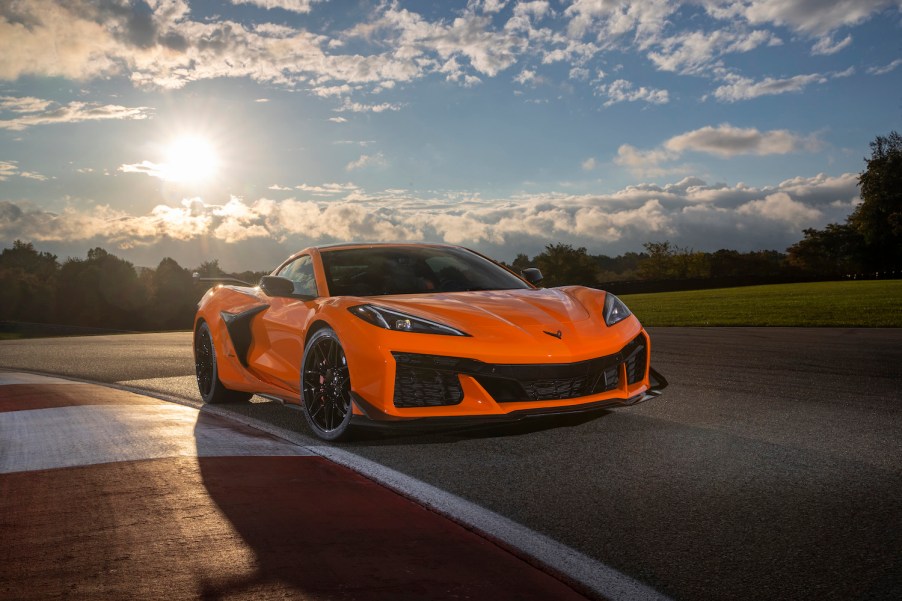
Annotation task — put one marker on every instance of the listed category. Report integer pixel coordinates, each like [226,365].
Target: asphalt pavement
[770,468]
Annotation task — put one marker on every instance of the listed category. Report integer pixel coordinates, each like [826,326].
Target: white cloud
[725,141]
[589,164]
[8,169]
[34,111]
[695,52]
[357,107]
[367,160]
[728,141]
[742,88]
[146,167]
[826,45]
[298,6]
[781,207]
[606,20]
[686,212]
[622,90]
[813,17]
[25,104]
[34,175]
[886,68]
[644,163]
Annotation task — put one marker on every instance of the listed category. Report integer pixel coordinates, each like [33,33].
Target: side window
[300,271]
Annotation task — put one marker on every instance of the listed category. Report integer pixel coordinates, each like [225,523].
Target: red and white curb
[60,434]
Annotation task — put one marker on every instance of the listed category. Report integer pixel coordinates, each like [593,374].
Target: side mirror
[532,275]
[274,285]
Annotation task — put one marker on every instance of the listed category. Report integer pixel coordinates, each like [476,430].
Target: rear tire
[326,387]
[211,388]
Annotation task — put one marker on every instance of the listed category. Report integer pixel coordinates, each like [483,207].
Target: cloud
[8,169]
[357,107]
[724,141]
[826,45]
[297,6]
[692,53]
[625,91]
[743,88]
[329,189]
[728,141]
[146,167]
[607,20]
[685,212]
[589,164]
[782,208]
[644,163]
[34,111]
[367,160]
[886,68]
[812,17]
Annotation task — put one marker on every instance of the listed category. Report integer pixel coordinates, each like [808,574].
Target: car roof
[342,245]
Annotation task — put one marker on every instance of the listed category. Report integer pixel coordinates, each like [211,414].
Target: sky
[245,130]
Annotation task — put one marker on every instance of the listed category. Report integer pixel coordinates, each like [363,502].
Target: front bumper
[373,417]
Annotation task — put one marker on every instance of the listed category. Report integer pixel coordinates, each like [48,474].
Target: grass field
[867,304]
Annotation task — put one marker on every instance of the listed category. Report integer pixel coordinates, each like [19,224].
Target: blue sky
[244,130]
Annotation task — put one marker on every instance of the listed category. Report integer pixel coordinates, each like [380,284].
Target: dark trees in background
[28,281]
[561,264]
[172,298]
[102,291]
[871,237]
[835,250]
[878,219]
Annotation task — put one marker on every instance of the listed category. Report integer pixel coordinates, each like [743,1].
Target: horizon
[247,130]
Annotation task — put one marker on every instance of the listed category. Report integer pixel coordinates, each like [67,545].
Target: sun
[190,160]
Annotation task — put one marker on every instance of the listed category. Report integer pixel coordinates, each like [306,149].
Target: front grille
[591,377]
[415,387]
[432,380]
[635,363]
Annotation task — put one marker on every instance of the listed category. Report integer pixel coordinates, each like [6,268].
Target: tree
[879,217]
[27,283]
[101,291]
[833,251]
[561,265]
[173,297]
[666,262]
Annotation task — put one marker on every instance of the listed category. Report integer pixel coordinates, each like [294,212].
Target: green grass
[867,304]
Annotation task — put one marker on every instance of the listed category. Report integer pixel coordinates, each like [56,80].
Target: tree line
[105,291]
[101,290]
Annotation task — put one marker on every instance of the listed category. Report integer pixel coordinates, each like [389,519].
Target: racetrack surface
[770,468]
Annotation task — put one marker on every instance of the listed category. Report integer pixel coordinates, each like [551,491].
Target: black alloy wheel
[326,386]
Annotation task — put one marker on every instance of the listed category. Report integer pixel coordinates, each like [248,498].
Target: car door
[279,345]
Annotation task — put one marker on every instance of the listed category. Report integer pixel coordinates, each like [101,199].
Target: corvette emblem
[557,334]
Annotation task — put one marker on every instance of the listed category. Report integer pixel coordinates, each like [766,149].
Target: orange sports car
[375,334]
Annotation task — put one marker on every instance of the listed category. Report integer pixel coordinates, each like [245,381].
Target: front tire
[326,386]
[211,388]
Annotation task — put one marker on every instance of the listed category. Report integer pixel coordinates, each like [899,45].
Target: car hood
[523,309]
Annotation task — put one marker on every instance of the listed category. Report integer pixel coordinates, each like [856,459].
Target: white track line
[559,559]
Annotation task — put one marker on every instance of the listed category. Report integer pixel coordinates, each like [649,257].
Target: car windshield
[376,271]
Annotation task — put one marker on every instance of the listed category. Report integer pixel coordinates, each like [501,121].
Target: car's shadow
[426,434]
[284,523]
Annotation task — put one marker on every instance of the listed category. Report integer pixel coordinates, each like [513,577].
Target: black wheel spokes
[326,385]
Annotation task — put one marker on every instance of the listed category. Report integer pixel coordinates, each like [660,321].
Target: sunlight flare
[190,160]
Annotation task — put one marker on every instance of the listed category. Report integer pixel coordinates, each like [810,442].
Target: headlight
[614,309]
[401,322]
